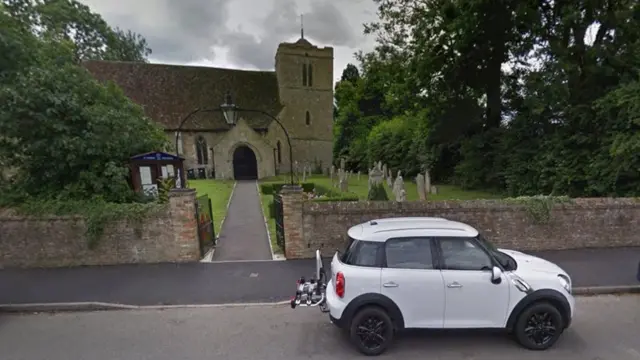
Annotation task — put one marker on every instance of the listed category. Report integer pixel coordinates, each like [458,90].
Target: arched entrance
[245,165]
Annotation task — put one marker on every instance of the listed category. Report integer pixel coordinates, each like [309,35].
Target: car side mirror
[496,275]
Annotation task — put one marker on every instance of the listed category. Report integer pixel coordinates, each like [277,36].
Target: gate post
[292,199]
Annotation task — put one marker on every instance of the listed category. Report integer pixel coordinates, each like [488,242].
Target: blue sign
[156,156]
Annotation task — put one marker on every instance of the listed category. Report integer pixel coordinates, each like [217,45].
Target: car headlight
[565,282]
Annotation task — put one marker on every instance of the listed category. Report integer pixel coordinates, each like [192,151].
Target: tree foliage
[64,135]
[530,97]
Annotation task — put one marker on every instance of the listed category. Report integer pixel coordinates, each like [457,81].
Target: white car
[423,272]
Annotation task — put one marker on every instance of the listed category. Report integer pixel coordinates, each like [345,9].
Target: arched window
[307,119]
[201,151]
[304,74]
[279,146]
[310,75]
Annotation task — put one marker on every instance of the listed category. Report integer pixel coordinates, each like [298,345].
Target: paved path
[243,235]
[605,328]
[239,282]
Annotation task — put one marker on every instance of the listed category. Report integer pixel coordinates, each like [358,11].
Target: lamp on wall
[229,110]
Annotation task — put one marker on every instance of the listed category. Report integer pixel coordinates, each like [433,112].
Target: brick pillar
[292,199]
[182,206]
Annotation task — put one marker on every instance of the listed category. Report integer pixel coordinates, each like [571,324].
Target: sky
[240,34]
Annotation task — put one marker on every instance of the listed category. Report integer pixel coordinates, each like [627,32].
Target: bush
[271,189]
[272,208]
[377,193]
[340,197]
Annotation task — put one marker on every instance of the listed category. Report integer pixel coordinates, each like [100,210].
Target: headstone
[384,170]
[398,186]
[403,195]
[358,175]
[427,182]
[344,184]
[389,179]
[421,187]
[342,163]
[375,177]
[434,190]
[332,172]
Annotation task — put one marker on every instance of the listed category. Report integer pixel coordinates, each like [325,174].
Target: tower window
[304,74]
[279,152]
[307,119]
[201,151]
[310,75]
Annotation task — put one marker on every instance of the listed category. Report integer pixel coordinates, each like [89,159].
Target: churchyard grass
[219,192]
[361,188]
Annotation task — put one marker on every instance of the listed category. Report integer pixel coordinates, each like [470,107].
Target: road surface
[606,328]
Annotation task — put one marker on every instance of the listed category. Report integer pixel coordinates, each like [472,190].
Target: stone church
[299,93]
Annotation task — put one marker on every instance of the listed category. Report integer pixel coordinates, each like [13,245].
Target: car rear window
[362,253]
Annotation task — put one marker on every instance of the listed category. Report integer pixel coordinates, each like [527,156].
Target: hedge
[270,189]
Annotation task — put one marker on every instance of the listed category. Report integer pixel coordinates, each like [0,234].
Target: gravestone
[342,163]
[434,190]
[421,187]
[344,184]
[375,177]
[384,171]
[389,179]
[427,182]
[358,175]
[332,172]
[398,187]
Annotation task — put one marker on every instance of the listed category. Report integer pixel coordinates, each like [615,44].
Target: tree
[64,134]
[70,20]
[350,73]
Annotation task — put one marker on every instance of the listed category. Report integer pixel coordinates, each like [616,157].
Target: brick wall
[167,236]
[583,223]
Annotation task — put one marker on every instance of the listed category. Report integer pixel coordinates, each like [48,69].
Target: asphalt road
[242,282]
[605,328]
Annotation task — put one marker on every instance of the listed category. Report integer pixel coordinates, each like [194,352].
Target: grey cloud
[177,31]
[185,31]
[323,23]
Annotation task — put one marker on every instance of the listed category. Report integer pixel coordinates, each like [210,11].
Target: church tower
[305,82]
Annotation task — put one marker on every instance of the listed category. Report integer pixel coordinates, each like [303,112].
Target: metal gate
[204,217]
[277,202]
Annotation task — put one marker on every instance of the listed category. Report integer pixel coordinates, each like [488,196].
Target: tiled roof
[169,92]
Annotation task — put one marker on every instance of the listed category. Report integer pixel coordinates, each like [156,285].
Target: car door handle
[390,284]
[454,285]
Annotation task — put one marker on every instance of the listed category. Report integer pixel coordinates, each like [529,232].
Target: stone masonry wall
[584,223]
[168,236]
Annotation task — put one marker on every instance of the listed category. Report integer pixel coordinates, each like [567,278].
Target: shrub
[377,193]
[340,197]
[271,189]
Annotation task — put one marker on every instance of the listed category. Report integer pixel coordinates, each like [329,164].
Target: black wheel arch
[551,296]
[373,299]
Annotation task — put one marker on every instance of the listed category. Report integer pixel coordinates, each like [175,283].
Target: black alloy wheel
[539,326]
[371,331]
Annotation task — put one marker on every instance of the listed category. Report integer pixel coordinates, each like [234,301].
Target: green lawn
[219,192]
[360,188]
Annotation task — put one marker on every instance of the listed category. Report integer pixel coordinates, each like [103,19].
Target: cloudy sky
[240,33]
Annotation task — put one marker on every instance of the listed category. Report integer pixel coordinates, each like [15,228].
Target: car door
[472,300]
[411,280]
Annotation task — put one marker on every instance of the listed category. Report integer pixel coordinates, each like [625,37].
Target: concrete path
[604,328]
[242,282]
[243,235]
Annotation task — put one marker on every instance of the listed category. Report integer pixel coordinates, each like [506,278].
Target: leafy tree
[64,134]
[73,21]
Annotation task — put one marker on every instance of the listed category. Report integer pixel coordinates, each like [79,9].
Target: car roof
[383,229]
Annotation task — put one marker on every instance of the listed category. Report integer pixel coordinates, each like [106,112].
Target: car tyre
[371,330]
[539,326]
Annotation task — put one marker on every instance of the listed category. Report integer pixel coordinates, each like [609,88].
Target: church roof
[169,92]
